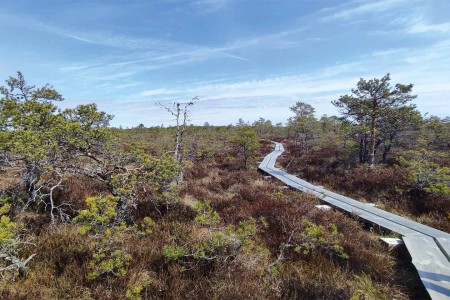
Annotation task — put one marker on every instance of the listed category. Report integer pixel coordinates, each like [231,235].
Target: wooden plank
[444,244]
[430,264]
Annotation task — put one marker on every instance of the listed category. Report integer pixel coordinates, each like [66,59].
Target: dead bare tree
[180,110]
[10,262]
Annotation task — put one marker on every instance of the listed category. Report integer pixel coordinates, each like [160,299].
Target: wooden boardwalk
[429,248]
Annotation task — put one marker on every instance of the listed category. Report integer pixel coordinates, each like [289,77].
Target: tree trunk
[181,155]
[178,134]
[31,178]
[387,149]
[371,158]
[361,150]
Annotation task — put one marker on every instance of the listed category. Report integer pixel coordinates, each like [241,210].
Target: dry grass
[9,179]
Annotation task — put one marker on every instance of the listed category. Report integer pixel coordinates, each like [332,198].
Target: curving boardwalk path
[429,248]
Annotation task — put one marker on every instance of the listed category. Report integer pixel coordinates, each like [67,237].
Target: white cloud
[389,52]
[416,22]
[278,40]
[422,26]
[358,8]
[78,38]
[156,92]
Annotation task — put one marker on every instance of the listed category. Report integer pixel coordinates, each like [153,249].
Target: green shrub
[321,238]
[425,174]
[101,220]
[221,243]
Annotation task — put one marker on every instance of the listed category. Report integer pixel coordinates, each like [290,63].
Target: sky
[246,59]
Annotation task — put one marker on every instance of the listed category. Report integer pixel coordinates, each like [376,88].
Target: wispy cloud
[421,25]
[162,51]
[278,40]
[388,52]
[359,8]
[78,38]
[158,92]
[319,88]
[207,6]
[165,55]
[278,87]
[133,64]
[416,22]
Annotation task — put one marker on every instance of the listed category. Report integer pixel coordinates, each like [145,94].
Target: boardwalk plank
[430,263]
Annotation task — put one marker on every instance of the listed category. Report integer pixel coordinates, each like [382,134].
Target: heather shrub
[60,247]
[77,188]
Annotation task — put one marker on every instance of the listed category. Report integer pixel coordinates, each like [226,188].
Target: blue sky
[243,58]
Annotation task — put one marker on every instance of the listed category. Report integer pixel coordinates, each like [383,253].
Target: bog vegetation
[93,212]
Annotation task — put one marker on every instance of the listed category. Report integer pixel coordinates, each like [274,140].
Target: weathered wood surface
[429,248]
